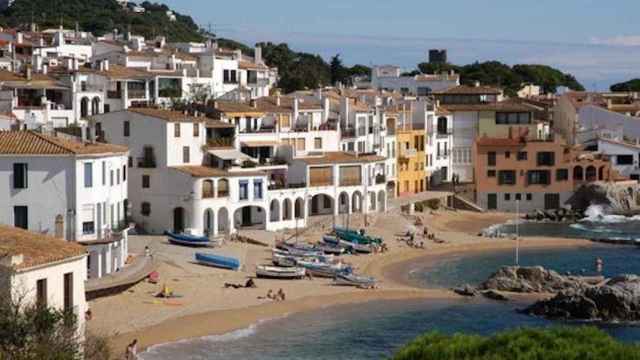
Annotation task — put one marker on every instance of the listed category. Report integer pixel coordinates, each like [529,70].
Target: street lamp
[517,233]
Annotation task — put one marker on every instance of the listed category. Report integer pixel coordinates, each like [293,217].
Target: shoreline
[389,269]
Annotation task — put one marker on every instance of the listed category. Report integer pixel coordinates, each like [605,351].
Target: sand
[206,308]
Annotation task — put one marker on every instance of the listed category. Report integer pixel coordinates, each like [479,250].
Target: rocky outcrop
[535,279]
[466,290]
[619,198]
[617,299]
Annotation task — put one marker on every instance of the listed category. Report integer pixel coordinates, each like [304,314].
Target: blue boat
[219,261]
[188,240]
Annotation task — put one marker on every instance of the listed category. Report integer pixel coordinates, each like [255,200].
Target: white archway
[274,210]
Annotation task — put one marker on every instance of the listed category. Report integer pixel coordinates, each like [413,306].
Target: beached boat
[276,272]
[354,236]
[283,260]
[188,240]
[324,270]
[320,255]
[224,262]
[347,279]
[331,249]
[350,246]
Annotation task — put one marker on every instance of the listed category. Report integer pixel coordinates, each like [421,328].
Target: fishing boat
[354,236]
[188,240]
[347,245]
[276,272]
[322,269]
[283,260]
[320,255]
[331,249]
[346,279]
[224,262]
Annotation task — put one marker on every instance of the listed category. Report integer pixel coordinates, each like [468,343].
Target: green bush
[433,204]
[562,343]
[419,207]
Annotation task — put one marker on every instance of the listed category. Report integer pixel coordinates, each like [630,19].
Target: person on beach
[250,284]
[280,296]
[270,295]
[599,264]
[132,350]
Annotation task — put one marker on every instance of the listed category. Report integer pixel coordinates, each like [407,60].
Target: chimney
[278,100]
[37,62]
[215,104]
[476,83]
[258,55]
[45,69]
[106,64]
[28,73]
[325,109]
[319,93]
[609,103]
[19,37]
[238,54]
[296,109]
[74,63]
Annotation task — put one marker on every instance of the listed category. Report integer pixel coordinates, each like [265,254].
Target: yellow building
[411,161]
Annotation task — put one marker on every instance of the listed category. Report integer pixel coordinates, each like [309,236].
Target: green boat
[355,237]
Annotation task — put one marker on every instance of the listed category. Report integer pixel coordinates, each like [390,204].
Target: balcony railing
[221,142]
[259,82]
[146,162]
[348,133]
[222,193]
[137,94]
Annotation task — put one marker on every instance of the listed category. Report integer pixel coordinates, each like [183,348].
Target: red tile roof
[32,143]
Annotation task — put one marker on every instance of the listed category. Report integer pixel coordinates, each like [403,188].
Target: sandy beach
[207,308]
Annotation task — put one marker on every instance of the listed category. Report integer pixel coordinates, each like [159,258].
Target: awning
[259,143]
[229,154]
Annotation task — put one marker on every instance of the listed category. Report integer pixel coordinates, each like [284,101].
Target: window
[68,291]
[230,76]
[491,158]
[117,176]
[88,228]
[104,173]
[146,181]
[300,144]
[185,155]
[21,217]
[518,197]
[529,197]
[130,161]
[562,174]
[176,130]
[127,128]
[124,173]
[507,197]
[41,292]
[624,160]
[546,158]
[506,177]
[244,190]
[257,189]
[507,154]
[20,180]
[196,130]
[522,155]
[504,118]
[317,144]
[111,178]
[491,173]
[538,177]
[145,209]
[442,126]
[88,175]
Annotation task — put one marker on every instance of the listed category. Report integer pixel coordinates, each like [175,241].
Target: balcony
[348,133]
[259,83]
[221,142]
[146,162]
[114,94]
[137,94]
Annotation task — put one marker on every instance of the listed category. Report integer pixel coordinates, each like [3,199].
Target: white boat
[320,269]
[276,272]
[365,282]
[283,260]
[311,255]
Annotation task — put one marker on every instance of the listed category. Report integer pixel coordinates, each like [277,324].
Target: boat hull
[223,262]
[187,240]
[267,272]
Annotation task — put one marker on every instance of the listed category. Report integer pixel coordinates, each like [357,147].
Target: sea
[375,330]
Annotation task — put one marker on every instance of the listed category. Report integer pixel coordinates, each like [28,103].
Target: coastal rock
[466,290]
[494,295]
[617,299]
[535,279]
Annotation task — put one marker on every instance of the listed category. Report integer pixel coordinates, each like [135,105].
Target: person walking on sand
[132,350]
[599,264]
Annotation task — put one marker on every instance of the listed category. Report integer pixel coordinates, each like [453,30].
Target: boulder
[494,295]
[617,299]
[534,279]
[466,290]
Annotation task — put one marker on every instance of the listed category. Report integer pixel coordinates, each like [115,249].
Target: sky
[597,41]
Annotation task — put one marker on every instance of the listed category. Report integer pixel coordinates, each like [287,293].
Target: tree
[338,72]
[567,343]
[631,85]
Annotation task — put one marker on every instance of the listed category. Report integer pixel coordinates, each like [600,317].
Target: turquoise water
[375,330]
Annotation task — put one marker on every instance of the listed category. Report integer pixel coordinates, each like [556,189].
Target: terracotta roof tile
[119,72]
[498,106]
[469,90]
[35,248]
[205,171]
[32,143]
[168,115]
[339,157]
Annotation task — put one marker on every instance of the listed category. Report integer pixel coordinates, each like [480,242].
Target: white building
[44,270]
[388,77]
[189,174]
[85,187]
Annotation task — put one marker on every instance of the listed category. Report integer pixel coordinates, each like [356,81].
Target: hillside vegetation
[510,78]
[631,85]
[567,343]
